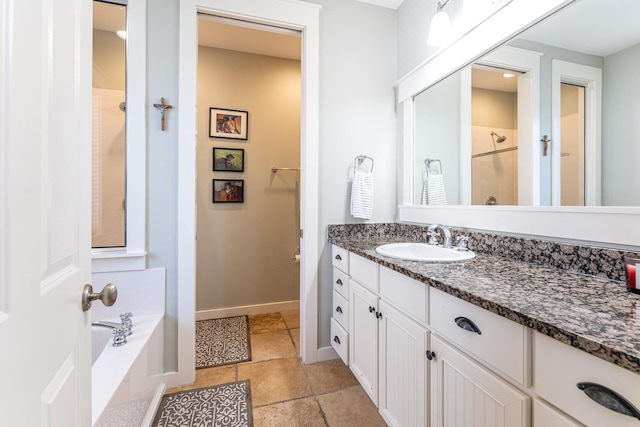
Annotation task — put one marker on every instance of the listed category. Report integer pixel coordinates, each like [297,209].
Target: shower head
[500,138]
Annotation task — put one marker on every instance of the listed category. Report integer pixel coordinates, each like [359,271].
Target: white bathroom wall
[357,116]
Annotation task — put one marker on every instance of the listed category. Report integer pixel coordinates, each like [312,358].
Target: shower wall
[244,250]
[494,174]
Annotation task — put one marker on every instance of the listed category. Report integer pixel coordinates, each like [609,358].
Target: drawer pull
[371,309]
[339,309]
[338,257]
[431,355]
[339,282]
[378,315]
[467,325]
[336,339]
[609,399]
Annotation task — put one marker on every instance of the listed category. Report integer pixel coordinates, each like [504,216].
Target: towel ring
[427,163]
[361,159]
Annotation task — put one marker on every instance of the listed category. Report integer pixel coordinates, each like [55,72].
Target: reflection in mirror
[589,60]
[108,122]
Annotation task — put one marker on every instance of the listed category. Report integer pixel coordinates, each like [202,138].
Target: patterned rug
[226,405]
[222,341]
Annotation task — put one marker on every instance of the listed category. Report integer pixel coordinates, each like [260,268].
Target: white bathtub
[127,380]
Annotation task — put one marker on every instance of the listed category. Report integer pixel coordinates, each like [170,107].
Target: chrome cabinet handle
[609,399]
[108,296]
[339,309]
[336,339]
[467,325]
[338,257]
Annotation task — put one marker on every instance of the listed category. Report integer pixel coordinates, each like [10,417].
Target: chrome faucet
[446,233]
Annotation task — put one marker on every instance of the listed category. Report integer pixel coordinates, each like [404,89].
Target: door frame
[591,79]
[294,15]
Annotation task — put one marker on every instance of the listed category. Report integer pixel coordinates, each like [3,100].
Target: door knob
[108,296]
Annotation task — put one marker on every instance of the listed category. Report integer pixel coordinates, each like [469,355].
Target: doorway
[248,213]
[300,16]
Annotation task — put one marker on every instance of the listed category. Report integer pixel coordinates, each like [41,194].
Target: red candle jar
[631,265]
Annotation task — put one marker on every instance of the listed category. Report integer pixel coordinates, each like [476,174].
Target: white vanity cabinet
[566,377]
[387,345]
[464,393]
[340,318]
[363,343]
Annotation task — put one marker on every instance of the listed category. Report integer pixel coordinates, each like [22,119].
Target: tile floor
[284,391]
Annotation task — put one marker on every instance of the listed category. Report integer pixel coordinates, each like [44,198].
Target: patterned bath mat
[222,341]
[226,405]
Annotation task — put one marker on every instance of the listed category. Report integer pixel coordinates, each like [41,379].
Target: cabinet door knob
[339,282]
[431,355]
[338,257]
[378,315]
[339,309]
[336,339]
[609,399]
[467,325]
[371,309]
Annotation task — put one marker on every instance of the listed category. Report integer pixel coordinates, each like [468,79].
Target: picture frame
[228,124]
[228,159]
[228,191]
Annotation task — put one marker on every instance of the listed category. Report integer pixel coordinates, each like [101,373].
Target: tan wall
[244,249]
[108,60]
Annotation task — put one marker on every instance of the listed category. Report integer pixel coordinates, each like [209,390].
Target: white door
[403,369]
[45,118]
[465,394]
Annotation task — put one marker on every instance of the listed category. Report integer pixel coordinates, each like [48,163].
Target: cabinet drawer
[340,341]
[546,416]
[499,342]
[341,282]
[559,368]
[407,294]
[364,271]
[340,258]
[341,310]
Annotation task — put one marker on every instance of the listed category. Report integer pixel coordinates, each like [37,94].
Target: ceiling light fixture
[440,28]
[508,75]
[122,34]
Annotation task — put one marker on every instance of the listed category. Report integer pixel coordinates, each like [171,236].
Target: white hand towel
[362,195]
[425,196]
[435,190]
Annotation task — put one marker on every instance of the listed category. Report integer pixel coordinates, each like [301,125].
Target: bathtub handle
[108,296]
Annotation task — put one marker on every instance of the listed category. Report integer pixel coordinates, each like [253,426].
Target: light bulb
[440,29]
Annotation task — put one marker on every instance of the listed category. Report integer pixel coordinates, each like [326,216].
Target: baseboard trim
[326,353]
[219,313]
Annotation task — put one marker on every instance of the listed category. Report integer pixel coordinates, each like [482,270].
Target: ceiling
[391,4]
[248,37]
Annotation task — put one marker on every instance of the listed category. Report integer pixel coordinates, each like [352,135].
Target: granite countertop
[593,314]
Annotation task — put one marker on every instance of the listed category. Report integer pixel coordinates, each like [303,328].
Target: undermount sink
[423,252]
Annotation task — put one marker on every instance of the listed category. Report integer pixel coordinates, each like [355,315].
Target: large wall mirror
[551,150]
[108,145]
[478,132]
[119,135]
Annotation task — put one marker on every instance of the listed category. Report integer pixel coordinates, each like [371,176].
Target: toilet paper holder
[296,256]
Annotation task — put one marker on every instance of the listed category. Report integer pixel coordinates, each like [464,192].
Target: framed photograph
[228,159]
[230,124]
[228,191]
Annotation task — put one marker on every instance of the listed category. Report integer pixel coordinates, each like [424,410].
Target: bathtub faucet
[125,323]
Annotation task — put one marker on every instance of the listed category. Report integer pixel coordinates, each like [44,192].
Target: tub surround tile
[589,312]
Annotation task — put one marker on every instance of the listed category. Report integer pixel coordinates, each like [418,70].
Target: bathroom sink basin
[423,252]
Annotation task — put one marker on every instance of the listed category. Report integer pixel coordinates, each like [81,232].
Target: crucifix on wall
[164,107]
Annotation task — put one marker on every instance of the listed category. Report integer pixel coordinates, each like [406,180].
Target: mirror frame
[133,255]
[602,226]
